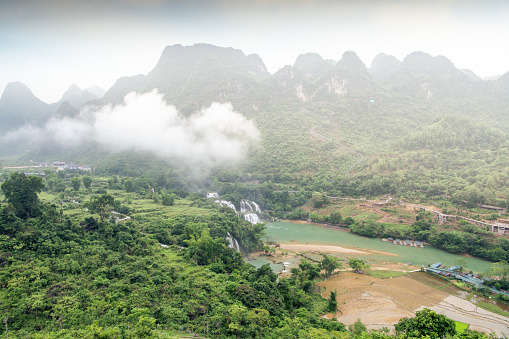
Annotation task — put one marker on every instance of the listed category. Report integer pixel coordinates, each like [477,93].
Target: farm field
[383,302]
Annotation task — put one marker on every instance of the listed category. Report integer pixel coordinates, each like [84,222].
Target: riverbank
[372,250]
[320,248]
[391,289]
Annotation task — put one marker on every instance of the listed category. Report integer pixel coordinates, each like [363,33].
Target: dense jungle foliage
[77,276]
[64,273]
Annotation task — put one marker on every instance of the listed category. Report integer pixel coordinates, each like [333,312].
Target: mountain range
[193,76]
[20,107]
[371,108]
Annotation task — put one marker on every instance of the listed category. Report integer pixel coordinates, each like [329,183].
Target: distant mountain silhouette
[312,64]
[383,66]
[423,76]
[72,100]
[192,77]
[19,107]
[209,72]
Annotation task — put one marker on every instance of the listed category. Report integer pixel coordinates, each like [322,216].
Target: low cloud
[146,123]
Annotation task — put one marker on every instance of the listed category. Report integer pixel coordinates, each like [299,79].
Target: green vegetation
[332,304]
[385,274]
[329,264]
[493,308]
[358,265]
[21,193]
[426,323]
[78,262]
[461,327]
[81,254]
[71,275]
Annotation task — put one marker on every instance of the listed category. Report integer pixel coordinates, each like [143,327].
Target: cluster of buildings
[455,272]
[63,166]
[407,242]
[501,226]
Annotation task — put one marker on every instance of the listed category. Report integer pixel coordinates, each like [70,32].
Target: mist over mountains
[373,105]
[225,72]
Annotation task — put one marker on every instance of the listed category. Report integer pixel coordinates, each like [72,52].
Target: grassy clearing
[405,214]
[459,284]
[319,304]
[148,210]
[396,229]
[385,274]
[367,216]
[461,327]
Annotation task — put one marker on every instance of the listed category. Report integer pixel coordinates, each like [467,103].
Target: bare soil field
[383,302]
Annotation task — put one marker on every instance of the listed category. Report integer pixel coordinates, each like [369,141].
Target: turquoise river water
[287,232]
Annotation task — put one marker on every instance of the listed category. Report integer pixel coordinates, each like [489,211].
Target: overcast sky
[50,44]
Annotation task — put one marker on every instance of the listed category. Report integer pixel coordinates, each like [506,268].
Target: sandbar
[383,253]
[320,248]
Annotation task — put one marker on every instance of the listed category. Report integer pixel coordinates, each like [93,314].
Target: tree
[111,181]
[76,183]
[329,264]
[319,200]
[259,318]
[21,192]
[357,328]
[87,181]
[426,323]
[358,265]
[100,205]
[335,218]
[168,199]
[237,319]
[332,303]
[129,185]
[499,269]
[462,263]
[349,221]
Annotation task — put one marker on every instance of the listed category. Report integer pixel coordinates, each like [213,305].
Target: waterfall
[226,203]
[245,206]
[233,243]
[252,218]
[257,207]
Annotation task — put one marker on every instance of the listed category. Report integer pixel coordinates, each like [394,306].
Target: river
[287,232]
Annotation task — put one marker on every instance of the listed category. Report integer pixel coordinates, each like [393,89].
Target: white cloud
[146,123]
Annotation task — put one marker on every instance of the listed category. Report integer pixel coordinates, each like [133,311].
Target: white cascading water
[252,218]
[257,207]
[245,206]
[226,203]
[233,243]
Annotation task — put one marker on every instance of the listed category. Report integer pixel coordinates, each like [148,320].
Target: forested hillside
[75,273]
[399,127]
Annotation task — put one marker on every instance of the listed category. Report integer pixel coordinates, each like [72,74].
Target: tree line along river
[288,232]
